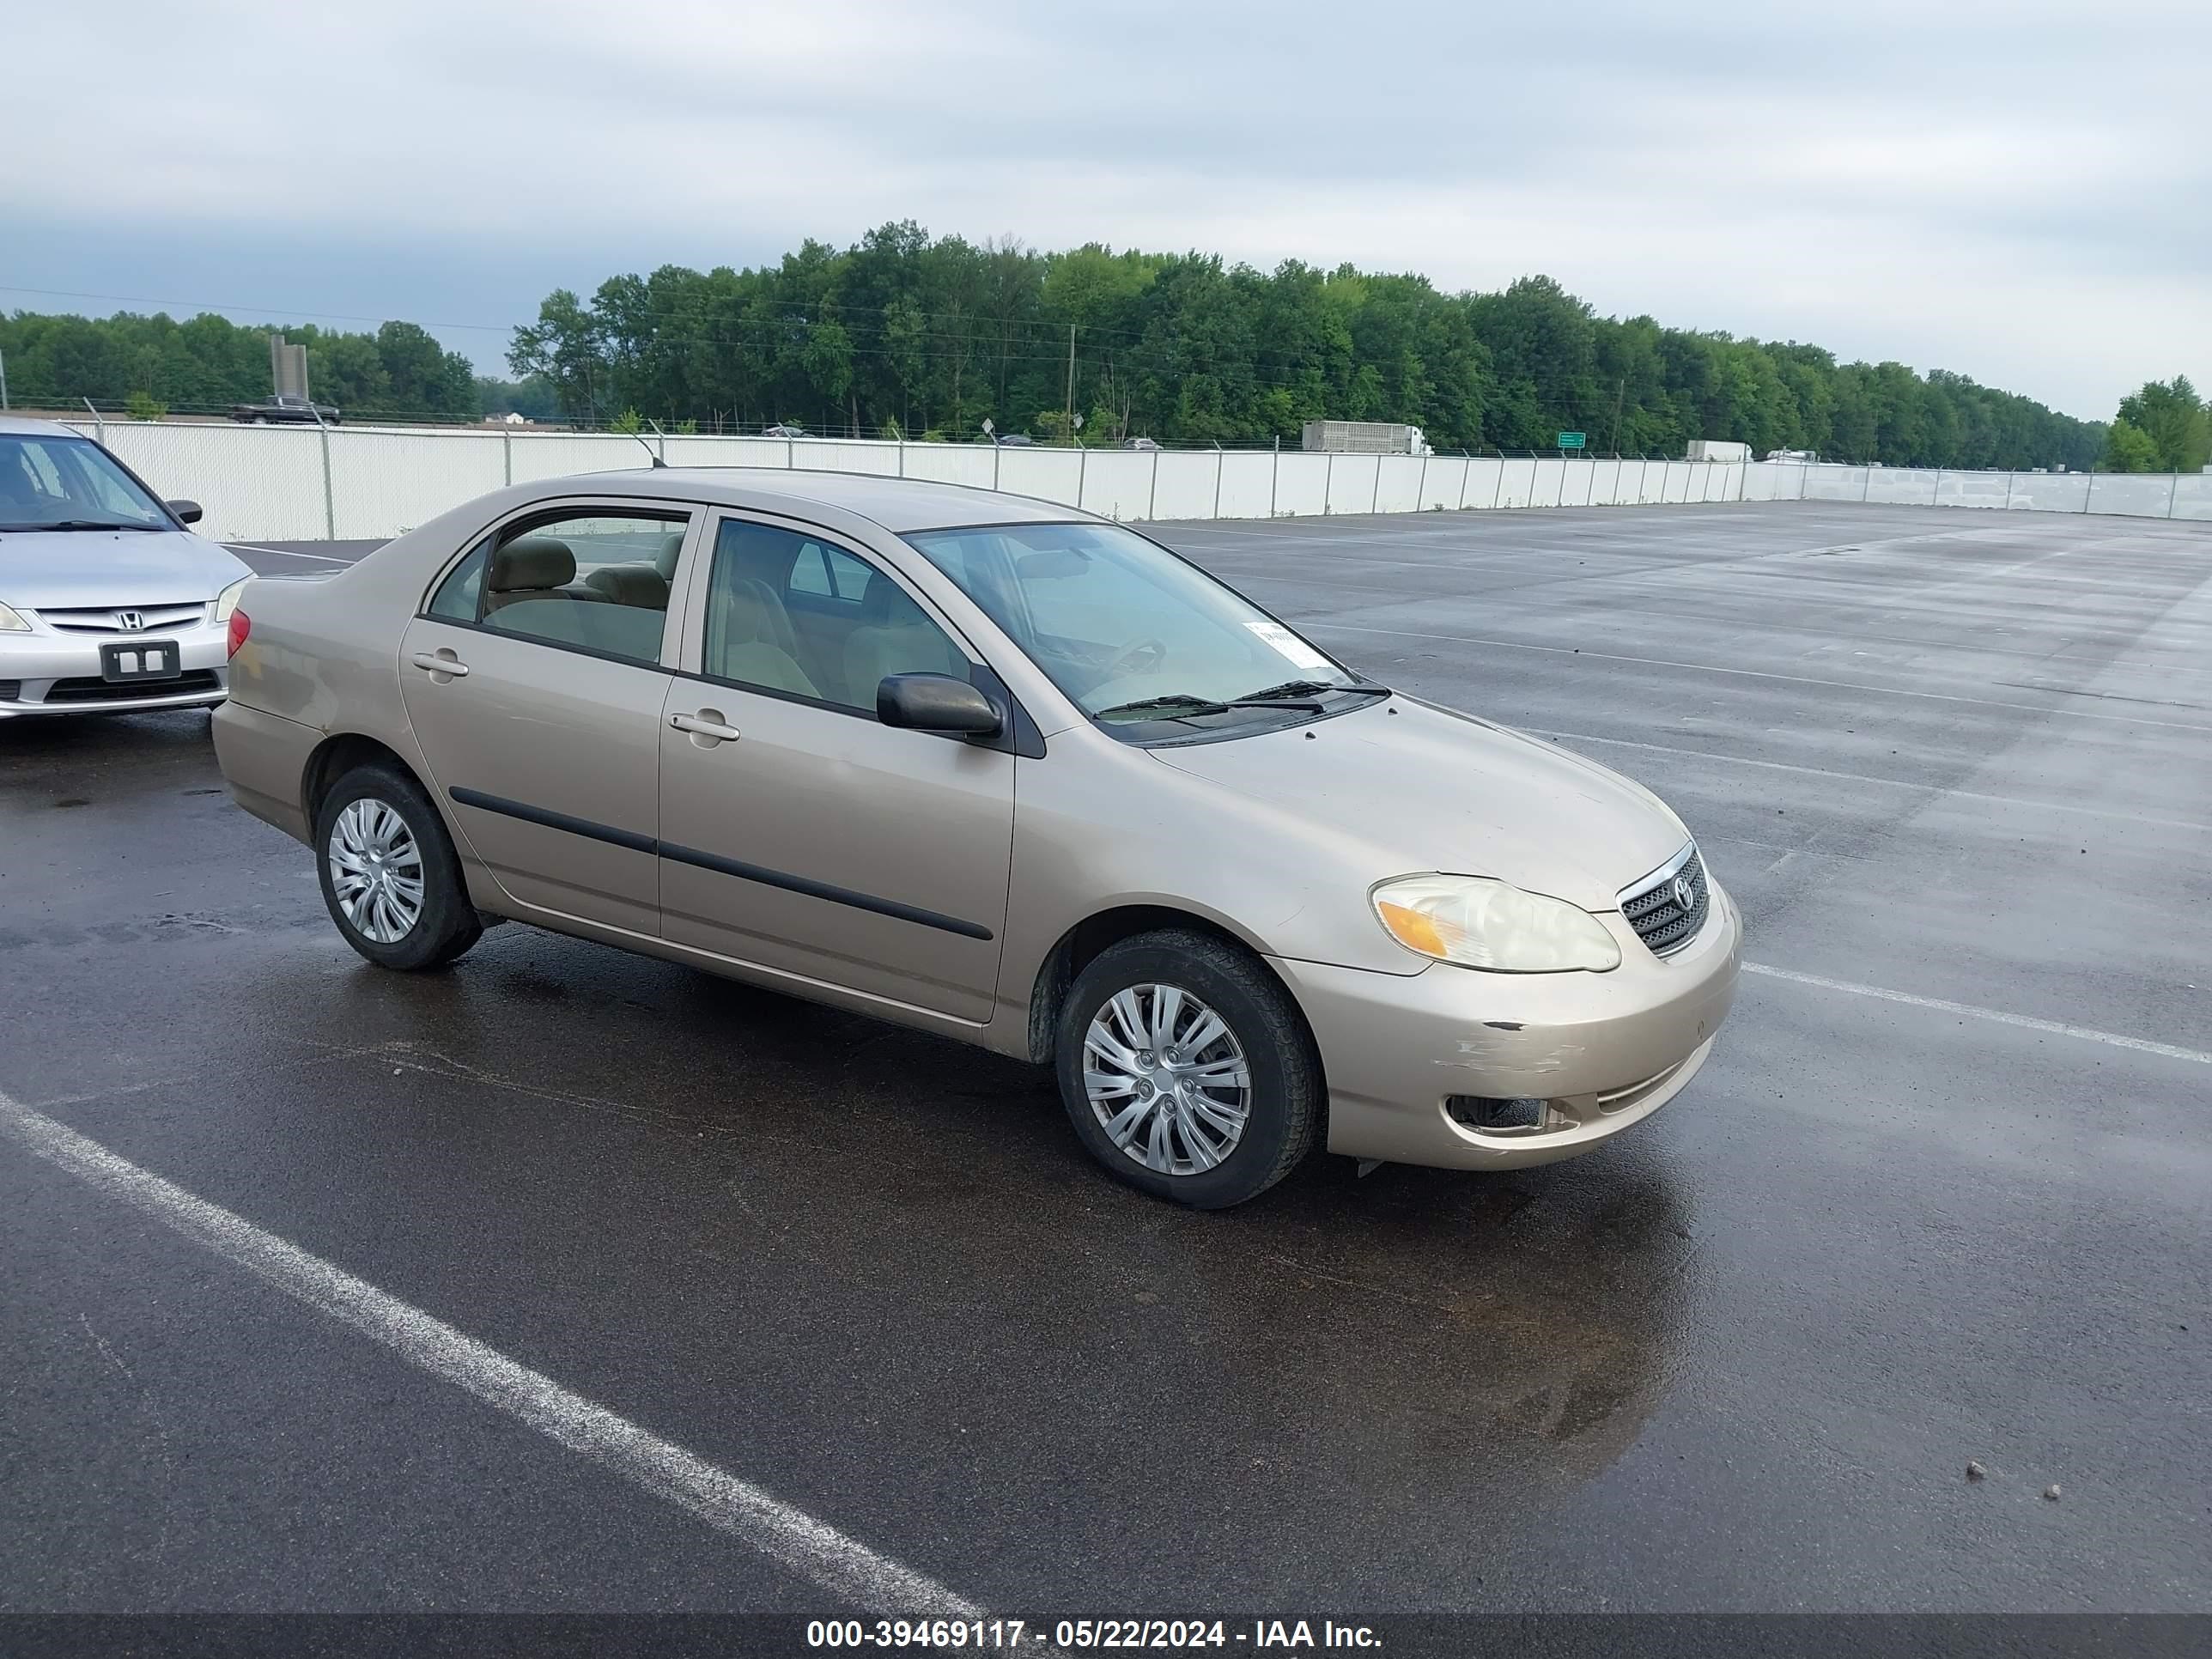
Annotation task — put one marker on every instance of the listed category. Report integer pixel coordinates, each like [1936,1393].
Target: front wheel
[389,876]
[1187,1070]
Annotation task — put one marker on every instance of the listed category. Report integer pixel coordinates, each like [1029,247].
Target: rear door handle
[431,662]
[700,726]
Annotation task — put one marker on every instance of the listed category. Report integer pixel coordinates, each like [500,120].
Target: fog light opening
[1493,1114]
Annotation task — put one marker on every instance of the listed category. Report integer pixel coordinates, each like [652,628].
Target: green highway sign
[1572,439]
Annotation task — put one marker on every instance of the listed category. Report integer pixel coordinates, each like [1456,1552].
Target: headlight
[12,623]
[227,601]
[1480,923]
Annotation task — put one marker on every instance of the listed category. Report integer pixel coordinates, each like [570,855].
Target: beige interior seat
[528,567]
[744,643]
[532,590]
[639,584]
[775,624]
[894,639]
[671,549]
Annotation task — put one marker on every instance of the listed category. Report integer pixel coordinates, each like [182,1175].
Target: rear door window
[596,579]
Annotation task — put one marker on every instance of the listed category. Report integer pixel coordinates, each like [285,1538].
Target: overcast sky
[2016,192]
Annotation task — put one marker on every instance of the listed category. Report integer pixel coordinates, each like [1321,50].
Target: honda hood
[1435,790]
[84,569]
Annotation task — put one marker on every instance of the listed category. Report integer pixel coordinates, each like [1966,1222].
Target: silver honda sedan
[108,603]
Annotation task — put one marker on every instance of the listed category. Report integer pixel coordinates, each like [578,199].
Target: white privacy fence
[2130,494]
[259,483]
[274,483]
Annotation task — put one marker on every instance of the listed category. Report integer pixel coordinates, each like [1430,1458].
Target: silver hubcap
[376,870]
[1167,1079]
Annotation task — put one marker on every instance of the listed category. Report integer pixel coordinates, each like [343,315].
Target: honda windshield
[53,483]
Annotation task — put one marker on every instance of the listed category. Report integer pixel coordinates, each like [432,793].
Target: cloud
[1994,189]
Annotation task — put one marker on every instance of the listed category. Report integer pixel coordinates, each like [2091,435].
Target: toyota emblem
[131,622]
[1686,897]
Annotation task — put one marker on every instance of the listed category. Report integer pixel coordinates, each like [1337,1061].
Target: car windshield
[60,482]
[1129,631]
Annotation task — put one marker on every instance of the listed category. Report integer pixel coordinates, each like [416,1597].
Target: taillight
[240,626]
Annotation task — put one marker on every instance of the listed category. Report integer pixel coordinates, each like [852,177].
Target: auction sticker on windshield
[1290,644]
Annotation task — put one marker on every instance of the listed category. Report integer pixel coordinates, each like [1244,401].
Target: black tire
[1287,1097]
[447,924]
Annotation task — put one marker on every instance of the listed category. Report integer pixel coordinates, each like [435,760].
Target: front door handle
[435,663]
[707,723]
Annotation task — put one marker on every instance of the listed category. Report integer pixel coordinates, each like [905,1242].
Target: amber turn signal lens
[1411,928]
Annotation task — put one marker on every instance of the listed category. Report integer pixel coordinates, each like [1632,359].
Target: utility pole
[1619,396]
[1071,382]
[3,379]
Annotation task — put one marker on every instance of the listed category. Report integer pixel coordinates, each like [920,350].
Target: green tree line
[206,363]
[934,336]
[2163,427]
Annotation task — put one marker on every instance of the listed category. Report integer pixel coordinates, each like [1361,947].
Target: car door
[534,682]
[797,832]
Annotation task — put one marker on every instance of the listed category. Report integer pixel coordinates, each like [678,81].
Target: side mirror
[936,703]
[186,512]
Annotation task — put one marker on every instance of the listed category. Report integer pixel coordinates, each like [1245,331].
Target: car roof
[24,425]
[897,504]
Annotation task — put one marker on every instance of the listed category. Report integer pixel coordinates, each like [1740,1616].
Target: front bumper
[32,664]
[1601,1051]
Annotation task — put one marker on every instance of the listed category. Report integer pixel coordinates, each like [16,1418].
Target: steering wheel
[1141,658]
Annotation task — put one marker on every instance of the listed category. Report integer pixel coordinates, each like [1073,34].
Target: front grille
[1659,913]
[108,619]
[95,690]
[10,691]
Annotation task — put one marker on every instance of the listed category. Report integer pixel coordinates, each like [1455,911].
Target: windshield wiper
[1310,688]
[1182,700]
[83,523]
[1185,704]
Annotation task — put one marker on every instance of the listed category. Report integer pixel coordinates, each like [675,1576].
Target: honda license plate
[141,660]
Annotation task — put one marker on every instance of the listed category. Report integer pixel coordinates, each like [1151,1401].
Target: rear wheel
[1187,1070]
[389,876]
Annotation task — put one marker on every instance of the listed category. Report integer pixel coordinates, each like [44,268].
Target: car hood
[63,570]
[1431,789]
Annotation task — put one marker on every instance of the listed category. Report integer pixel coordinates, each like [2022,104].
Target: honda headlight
[227,601]
[1480,923]
[12,623]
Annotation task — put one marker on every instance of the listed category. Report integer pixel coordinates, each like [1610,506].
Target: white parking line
[793,1539]
[287,553]
[2027,1021]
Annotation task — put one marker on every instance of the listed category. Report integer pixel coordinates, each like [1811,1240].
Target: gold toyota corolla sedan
[988,767]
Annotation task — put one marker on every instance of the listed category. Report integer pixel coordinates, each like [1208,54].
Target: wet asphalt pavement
[1739,1359]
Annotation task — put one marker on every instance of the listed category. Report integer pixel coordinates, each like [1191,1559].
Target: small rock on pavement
[1975,1471]
[2050,1492]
